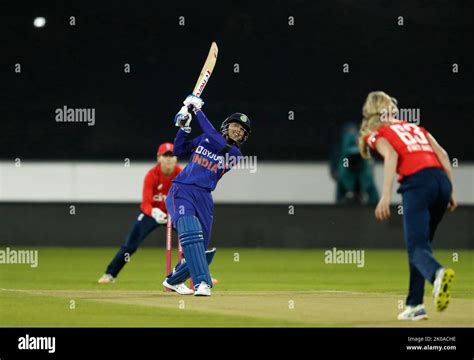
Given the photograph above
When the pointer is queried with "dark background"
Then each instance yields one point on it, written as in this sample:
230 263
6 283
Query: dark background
282 68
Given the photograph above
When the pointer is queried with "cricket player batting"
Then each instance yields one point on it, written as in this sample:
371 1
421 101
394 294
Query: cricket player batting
153 210
189 202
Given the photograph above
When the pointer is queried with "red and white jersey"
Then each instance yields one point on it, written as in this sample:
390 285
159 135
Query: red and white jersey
155 189
411 143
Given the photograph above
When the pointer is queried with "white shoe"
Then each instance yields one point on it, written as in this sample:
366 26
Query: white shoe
417 312
442 288
179 288
203 290
106 279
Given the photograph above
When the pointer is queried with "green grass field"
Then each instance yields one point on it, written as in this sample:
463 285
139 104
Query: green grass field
266 287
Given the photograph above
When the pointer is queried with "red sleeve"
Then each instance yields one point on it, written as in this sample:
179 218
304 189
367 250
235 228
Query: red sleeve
147 194
372 139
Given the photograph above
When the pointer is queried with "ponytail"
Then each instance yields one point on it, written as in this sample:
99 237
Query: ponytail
378 108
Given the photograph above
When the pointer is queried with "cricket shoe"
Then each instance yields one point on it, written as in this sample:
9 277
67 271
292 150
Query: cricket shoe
415 313
106 279
179 288
203 290
442 288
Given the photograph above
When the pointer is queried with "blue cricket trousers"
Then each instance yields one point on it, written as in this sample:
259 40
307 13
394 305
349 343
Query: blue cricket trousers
142 227
425 195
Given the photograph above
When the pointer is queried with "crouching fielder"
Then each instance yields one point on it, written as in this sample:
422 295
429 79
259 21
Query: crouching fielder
426 185
153 211
189 202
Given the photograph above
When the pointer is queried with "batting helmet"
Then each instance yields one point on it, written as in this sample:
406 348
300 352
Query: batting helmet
241 119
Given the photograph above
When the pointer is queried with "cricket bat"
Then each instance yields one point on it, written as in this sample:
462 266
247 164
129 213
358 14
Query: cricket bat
183 118
206 71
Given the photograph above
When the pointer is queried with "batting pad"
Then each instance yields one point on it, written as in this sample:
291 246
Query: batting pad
192 242
181 271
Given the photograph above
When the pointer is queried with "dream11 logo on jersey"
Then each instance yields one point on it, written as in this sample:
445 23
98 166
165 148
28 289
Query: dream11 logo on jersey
160 196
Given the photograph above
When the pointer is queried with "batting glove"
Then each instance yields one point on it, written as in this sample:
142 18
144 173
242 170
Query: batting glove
195 102
183 118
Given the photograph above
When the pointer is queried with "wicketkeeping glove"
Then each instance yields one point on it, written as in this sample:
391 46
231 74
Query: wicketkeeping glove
159 216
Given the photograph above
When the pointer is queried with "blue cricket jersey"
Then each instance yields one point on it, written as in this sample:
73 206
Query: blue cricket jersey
207 163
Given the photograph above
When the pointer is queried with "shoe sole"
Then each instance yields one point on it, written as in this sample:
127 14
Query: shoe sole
171 287
415 318
106 282
444 294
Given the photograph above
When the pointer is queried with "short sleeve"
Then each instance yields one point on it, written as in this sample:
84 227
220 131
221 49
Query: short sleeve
372 139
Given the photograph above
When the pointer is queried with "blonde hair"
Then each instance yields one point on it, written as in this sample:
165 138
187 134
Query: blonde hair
378 109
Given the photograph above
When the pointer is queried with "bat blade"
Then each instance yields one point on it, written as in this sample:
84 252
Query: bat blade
206 70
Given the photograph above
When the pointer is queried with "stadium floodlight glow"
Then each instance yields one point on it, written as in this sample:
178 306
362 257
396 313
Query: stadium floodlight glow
39 22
